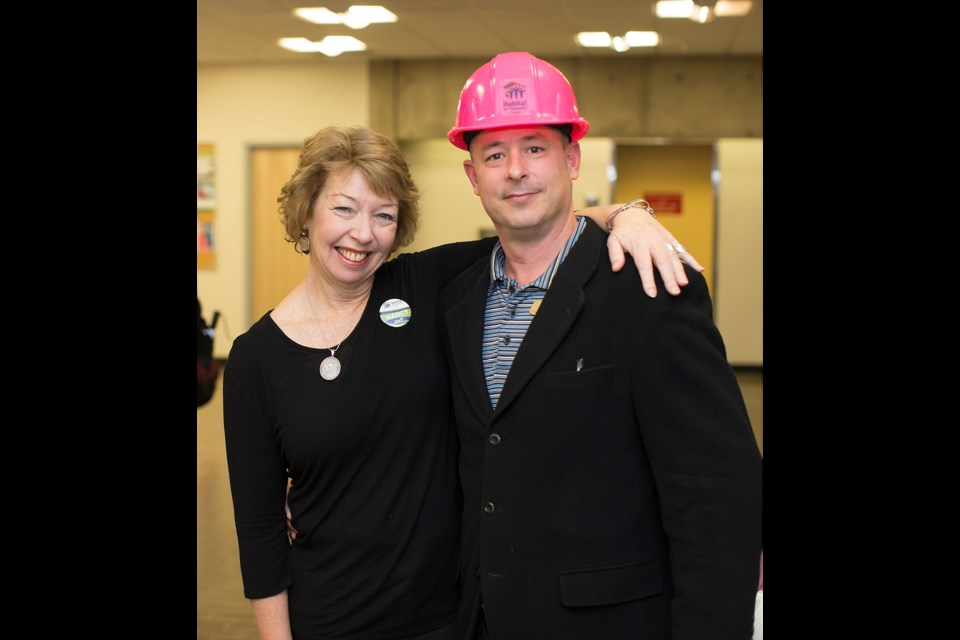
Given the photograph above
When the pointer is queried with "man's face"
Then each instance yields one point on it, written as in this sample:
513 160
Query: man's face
524 177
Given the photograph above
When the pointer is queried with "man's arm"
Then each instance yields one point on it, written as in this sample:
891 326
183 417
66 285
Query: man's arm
637 232
706 462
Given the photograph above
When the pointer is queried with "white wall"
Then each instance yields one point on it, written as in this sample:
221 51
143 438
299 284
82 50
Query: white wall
260 105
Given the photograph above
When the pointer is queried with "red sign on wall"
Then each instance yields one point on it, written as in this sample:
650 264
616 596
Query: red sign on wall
665 202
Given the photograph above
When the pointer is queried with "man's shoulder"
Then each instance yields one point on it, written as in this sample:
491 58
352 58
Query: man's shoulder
624 291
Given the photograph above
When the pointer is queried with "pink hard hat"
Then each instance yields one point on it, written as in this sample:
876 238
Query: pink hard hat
516 90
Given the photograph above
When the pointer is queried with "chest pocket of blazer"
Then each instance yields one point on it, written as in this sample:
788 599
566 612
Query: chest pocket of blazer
592 377
610 585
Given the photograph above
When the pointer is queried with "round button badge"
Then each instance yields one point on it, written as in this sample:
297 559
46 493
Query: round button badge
395 313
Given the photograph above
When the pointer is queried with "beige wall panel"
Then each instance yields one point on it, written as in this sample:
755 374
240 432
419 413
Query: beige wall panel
276 267
596 159
450 212
739 293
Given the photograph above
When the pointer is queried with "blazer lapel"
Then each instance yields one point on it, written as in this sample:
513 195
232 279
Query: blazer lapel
561 307
464 322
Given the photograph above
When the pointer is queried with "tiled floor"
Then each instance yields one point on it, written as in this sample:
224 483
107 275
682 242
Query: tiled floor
222 611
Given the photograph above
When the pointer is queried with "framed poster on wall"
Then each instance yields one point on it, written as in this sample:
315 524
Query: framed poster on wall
206 205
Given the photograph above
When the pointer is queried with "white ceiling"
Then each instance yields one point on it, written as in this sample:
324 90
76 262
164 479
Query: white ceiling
246 31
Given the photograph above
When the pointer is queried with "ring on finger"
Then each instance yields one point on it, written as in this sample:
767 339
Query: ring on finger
680 248
670 248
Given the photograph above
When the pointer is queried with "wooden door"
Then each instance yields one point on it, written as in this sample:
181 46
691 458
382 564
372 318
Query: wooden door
276 267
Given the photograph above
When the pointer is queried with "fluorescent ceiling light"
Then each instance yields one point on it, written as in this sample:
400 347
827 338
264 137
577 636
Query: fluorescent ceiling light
618 43
593 39
642 38
356 17
733 8
674 8
335 45
702 14
317 15
330 46
300 45
698 10
359 16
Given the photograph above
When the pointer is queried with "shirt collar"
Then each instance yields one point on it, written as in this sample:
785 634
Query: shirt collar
497 258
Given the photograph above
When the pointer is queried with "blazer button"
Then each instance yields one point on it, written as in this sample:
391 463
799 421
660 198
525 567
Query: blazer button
489 508
494 439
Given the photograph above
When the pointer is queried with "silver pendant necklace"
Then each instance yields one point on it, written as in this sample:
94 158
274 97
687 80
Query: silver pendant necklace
330 367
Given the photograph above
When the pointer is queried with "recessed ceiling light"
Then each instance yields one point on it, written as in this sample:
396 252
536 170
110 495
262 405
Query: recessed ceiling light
317 15
695 9
733 8
593 39
329 46
642 38
673 8
300 45
359 16
618 43
702 13
335 45
356 17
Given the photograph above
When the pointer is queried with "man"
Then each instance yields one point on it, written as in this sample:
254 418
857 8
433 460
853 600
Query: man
611 479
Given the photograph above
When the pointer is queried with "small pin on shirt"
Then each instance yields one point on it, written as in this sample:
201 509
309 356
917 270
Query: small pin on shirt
579 364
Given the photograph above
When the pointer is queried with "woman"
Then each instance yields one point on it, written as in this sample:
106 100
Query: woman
344 388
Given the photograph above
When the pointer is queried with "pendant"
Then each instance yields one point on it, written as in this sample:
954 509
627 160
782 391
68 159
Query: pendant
329 368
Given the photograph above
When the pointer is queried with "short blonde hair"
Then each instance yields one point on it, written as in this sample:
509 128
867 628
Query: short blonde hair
334 148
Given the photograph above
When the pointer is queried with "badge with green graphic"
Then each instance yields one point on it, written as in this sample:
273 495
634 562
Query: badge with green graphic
395 313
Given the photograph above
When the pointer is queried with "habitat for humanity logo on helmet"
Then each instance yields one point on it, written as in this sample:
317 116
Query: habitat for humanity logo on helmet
513 97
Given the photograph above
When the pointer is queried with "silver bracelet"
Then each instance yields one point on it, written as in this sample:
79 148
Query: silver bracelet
639 203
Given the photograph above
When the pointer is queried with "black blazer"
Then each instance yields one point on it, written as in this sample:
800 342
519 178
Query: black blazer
618 501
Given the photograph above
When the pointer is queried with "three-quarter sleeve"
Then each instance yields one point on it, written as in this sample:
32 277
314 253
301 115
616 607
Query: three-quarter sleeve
258 476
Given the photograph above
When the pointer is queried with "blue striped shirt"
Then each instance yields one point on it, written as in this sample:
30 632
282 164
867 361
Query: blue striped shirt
509 312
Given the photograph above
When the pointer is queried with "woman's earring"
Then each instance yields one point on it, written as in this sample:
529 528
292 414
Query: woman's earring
303 242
